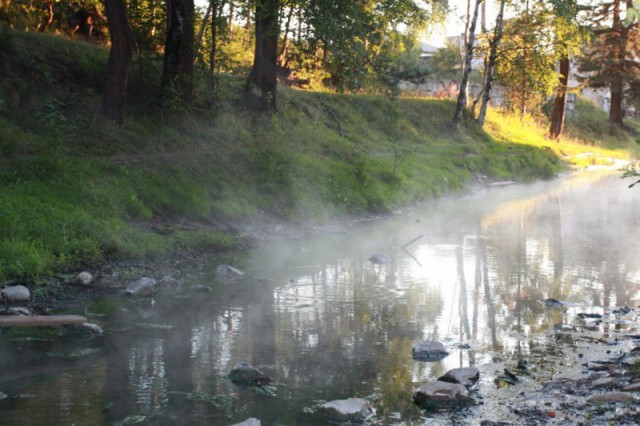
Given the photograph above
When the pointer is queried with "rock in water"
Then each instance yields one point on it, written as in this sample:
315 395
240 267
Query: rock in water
248 375
554 303
84 278
352 410
429 351
144 287
226 273
467 376
249 422
93 328
19 310
15 293
379 259
436 395
612 398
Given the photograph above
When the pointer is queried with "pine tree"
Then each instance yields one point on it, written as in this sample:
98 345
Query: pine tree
613 59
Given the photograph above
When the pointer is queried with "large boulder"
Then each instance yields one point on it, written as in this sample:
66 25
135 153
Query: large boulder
437 395
144 287
429 351
15 294
467 376
352 410
248 375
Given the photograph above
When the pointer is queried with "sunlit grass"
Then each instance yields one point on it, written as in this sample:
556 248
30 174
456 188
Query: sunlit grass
511 128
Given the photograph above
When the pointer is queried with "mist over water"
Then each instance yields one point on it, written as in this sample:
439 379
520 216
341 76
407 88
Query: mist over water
325 323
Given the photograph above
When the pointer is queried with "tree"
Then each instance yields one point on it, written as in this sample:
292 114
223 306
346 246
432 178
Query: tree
560 102
177 71
466 71
569 38
527 63
494 43
612 59
119 60
445 62
263 73
355 39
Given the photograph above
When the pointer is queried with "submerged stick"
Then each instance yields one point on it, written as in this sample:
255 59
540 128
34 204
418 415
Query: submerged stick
413 241
41 320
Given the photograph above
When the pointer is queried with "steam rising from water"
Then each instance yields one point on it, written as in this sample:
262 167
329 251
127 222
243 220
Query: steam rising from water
329 324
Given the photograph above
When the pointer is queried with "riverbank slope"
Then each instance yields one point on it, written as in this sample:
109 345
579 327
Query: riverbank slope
77 189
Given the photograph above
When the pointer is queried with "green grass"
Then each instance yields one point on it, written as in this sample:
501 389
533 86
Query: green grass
77 189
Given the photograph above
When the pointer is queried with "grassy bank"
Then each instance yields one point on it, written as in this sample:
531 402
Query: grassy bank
76 189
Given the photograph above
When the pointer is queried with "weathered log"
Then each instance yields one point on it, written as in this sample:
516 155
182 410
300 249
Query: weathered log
41 320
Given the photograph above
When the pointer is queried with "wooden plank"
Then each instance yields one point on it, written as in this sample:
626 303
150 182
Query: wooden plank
40 320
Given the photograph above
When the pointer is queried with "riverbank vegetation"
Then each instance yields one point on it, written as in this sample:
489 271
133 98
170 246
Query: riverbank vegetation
77 188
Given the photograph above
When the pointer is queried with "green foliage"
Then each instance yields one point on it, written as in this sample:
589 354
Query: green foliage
591 124
445 63
525 70
55 16
360 40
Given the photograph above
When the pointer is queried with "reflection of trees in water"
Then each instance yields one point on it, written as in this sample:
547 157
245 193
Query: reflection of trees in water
575 246
146 373
73 395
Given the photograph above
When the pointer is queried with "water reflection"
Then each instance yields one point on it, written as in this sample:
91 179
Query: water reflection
329 324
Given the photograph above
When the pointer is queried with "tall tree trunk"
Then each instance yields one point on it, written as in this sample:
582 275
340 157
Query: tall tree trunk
265 60
282 56
216 6
462 96
47 19
620 53
203 26
560 103
120 57
177 72
493 57
615 110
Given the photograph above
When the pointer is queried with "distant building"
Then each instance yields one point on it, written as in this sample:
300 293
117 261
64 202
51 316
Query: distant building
427 50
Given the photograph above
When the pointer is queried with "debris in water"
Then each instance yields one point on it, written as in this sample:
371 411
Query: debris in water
379 259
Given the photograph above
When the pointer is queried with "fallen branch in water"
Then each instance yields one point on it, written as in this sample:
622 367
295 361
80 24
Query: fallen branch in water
412 241
41 320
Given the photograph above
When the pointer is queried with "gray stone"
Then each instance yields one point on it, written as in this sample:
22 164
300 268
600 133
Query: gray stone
225 273
144 287
467 376
429 351
604 382
15 293
19 311
84 278
249 422
379 259
248 375
352 410
554 303
611 397
436 395
633 387
94 328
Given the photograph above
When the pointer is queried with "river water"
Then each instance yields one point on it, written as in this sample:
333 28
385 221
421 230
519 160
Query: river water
325 323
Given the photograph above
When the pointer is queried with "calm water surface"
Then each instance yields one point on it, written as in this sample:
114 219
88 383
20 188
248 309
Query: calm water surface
325 323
